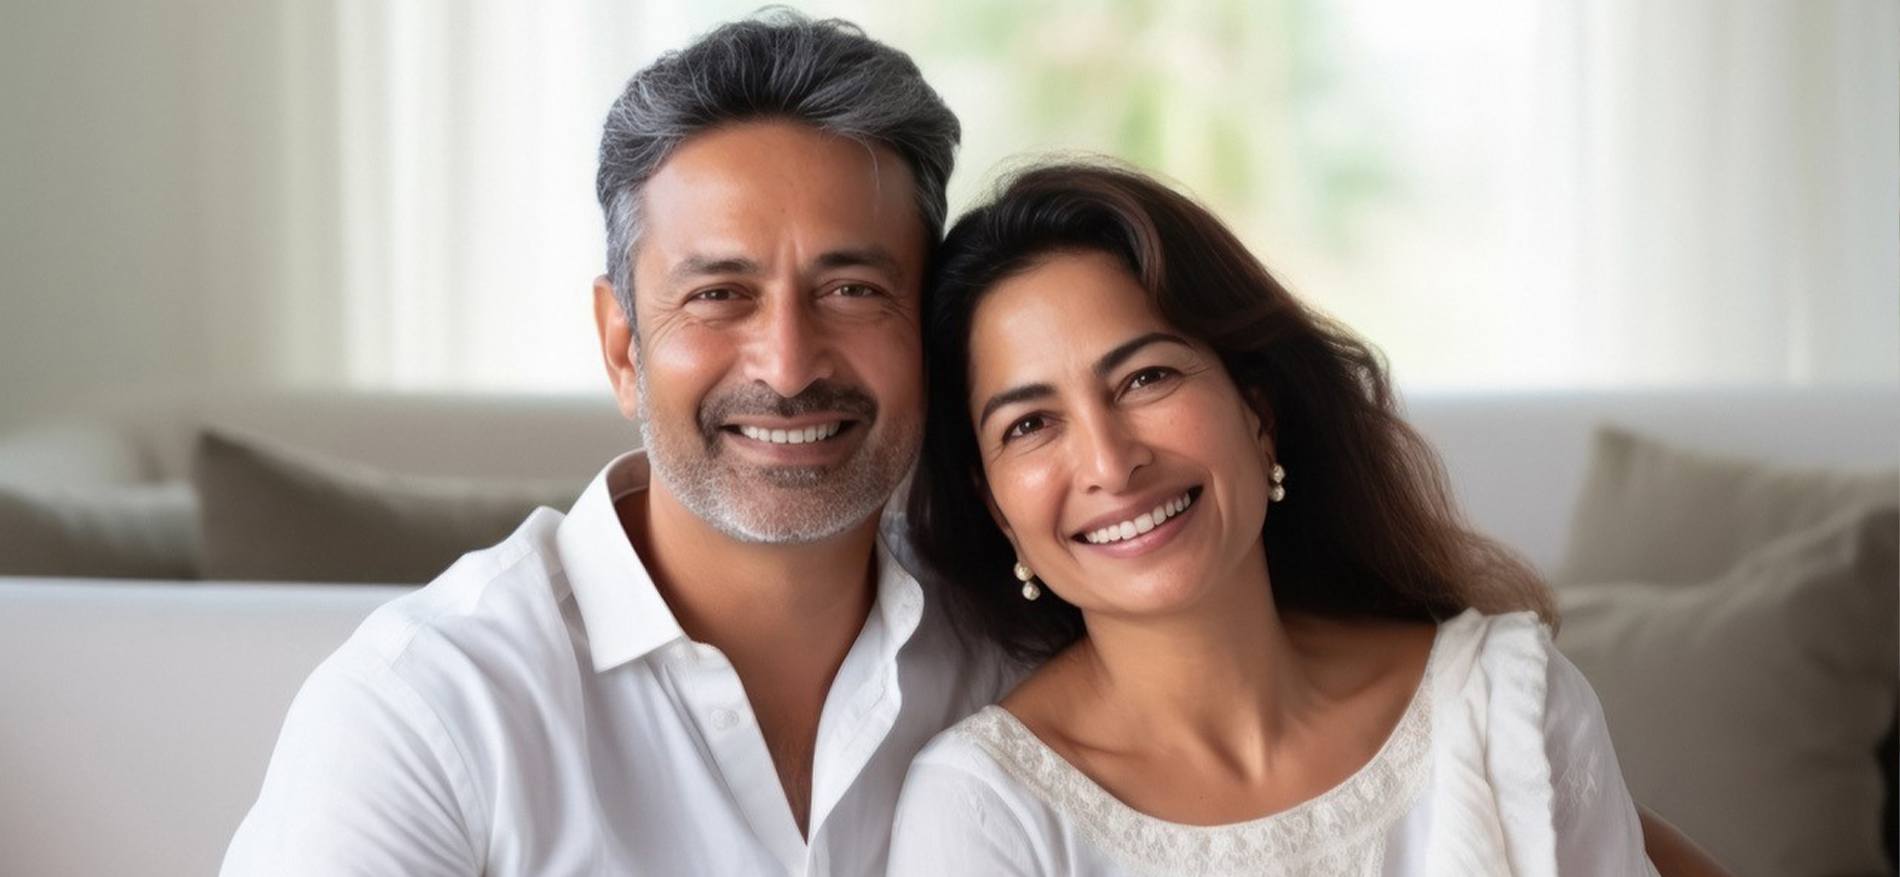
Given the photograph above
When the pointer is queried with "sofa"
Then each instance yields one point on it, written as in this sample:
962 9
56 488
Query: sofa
140 713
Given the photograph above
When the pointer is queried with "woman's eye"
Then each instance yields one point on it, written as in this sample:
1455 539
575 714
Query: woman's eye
1148 376
856 290
1022 427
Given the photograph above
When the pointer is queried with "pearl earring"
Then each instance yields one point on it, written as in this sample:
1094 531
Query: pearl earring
1279 488
1028 577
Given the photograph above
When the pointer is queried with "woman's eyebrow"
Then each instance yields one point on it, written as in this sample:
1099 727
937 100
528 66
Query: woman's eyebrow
1126 349
1011 396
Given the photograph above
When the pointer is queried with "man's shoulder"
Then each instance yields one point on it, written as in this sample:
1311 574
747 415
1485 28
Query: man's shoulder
504 603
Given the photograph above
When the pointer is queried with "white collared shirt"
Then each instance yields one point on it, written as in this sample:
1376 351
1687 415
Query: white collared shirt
536 710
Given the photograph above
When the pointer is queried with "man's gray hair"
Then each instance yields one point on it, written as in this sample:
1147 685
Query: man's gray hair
826 74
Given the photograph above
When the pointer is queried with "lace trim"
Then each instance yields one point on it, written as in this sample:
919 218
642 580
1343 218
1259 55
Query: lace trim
1342 831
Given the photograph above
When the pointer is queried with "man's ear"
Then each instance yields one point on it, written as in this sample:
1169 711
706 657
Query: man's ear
616 347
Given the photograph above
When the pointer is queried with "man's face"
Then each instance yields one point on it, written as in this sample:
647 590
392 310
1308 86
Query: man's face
777 348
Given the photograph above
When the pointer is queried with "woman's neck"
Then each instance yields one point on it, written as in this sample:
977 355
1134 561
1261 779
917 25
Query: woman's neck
1221 677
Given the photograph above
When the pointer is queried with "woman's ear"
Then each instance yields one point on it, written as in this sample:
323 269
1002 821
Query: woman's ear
1259 416
996 514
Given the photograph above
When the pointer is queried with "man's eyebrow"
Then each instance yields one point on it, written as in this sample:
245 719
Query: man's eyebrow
1011 396
1126 349
851 257
704 266
860 257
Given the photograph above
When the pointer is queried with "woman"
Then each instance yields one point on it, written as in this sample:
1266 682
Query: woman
1268 644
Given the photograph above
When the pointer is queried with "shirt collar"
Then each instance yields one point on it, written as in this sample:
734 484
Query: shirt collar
621 607
900 600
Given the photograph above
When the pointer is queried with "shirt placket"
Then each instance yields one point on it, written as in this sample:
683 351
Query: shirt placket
861 708
716 700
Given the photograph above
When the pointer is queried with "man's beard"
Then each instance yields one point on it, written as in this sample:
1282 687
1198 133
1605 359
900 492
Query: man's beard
779 504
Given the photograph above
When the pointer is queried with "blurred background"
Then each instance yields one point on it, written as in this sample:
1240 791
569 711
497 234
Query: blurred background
1502 196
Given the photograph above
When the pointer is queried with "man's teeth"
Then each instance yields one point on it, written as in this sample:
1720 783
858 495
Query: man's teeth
792 436
1141 523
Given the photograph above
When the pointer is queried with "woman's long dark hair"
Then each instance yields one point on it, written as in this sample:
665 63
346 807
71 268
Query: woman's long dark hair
1368 527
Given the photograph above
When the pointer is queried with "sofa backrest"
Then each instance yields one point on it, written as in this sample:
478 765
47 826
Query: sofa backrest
1516 460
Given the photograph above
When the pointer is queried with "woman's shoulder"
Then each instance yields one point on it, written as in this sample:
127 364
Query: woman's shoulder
988 752
992 756
1504 696
968 744
1510 666
961 810
1523 746
1512 648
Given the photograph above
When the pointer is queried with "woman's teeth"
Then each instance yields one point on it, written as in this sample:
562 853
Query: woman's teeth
1141 523
792 436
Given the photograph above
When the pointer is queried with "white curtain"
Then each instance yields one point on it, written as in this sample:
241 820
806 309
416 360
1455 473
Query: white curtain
469 236
1602 192
1737 172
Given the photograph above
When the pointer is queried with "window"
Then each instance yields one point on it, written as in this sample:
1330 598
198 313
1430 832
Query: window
1497 195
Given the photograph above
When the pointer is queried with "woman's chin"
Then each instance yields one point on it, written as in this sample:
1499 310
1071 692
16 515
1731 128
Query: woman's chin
1153 595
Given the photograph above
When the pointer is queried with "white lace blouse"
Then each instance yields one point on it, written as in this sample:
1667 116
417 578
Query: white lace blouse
1501 764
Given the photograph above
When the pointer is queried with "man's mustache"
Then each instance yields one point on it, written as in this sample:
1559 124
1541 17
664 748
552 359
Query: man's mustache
758 399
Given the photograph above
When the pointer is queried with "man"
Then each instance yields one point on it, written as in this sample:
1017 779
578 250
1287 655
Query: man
710 665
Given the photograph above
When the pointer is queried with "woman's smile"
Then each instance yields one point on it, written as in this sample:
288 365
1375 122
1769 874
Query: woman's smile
1133 535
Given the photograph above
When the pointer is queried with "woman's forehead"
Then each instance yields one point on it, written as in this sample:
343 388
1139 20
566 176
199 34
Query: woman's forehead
1061 314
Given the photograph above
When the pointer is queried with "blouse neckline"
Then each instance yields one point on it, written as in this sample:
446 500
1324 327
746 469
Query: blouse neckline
1327 830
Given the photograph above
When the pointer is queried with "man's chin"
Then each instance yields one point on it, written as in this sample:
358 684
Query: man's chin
801 479
781 501
787 504
786 523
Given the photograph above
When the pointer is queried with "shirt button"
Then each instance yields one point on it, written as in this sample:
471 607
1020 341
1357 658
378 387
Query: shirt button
724 719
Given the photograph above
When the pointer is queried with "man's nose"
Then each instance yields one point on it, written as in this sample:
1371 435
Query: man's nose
1109 452
790 350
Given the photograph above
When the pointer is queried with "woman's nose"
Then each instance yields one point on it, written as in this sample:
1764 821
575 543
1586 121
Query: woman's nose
1110 452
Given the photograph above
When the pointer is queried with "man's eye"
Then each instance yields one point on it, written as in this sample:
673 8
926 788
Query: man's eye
856 290
717 294
1023 426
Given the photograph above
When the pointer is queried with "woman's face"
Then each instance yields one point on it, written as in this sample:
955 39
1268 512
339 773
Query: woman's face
1122 462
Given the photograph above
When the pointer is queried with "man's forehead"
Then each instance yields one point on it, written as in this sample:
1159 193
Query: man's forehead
755 196
740 182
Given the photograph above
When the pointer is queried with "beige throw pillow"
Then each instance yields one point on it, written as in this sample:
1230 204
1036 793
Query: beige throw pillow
141 531
1747 708
1656 513
274 513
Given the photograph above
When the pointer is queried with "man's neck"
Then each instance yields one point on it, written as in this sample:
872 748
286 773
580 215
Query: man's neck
729 593
784 615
